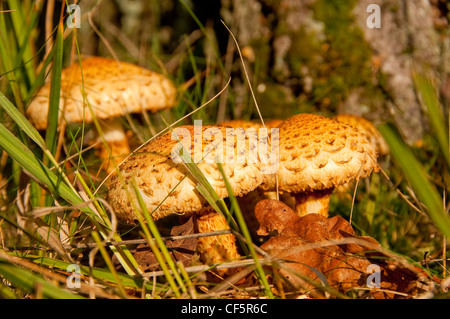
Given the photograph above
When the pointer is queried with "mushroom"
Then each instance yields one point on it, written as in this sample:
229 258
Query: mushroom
273 123
316 154
365 126
373 136
111 89
167 187
242 124
215 250
248 201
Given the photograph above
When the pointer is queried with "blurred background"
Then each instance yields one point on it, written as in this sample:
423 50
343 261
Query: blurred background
301 55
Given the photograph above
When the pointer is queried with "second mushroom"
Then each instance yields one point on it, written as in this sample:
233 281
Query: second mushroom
104 89
316 154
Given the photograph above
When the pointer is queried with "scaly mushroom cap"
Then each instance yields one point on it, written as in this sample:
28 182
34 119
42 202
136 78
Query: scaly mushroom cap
161 179
252 124
253 129
112 89
248 202
242 124
273 123
365 126
319 153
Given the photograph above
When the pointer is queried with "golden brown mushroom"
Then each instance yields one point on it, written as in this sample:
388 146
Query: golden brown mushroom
365 126
273 123
167 187
373 136
242 124
248 201
111 89
316 154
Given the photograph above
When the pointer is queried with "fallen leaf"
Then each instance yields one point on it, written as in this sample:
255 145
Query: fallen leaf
183 249
145 258
180 249
341 270
274 215
302 242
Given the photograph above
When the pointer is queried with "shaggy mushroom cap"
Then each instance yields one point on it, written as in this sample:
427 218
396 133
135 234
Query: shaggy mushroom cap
167 187
273 123
113 88
248 202
242 124
254 129
316 154
365 126
163 180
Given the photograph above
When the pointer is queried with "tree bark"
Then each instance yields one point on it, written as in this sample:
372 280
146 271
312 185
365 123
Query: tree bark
322 56
316 56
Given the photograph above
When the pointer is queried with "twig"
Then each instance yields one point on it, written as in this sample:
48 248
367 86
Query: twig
97 31
134 241
398 191
143 241
200 268
53 275
245 72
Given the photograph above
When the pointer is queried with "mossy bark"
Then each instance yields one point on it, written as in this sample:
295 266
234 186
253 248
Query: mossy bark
322 56
301 55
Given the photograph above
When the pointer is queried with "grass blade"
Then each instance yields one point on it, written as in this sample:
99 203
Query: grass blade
21 18
21 121
30 282
246 233
430 99
5 59
121 251
108 262
159 249
51 134
203 29
415 173
203 186
43 175
98 273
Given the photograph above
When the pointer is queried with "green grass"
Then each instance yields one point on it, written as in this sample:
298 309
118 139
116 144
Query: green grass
406 213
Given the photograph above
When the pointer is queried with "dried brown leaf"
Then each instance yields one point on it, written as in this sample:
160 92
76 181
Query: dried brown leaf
180 249
345 266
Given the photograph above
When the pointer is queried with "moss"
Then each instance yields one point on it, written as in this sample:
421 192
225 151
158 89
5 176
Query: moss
347 60
337 60
305 50
262 50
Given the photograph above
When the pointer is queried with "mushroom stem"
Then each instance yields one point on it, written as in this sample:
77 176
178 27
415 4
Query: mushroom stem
316 202
215 249
117 147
